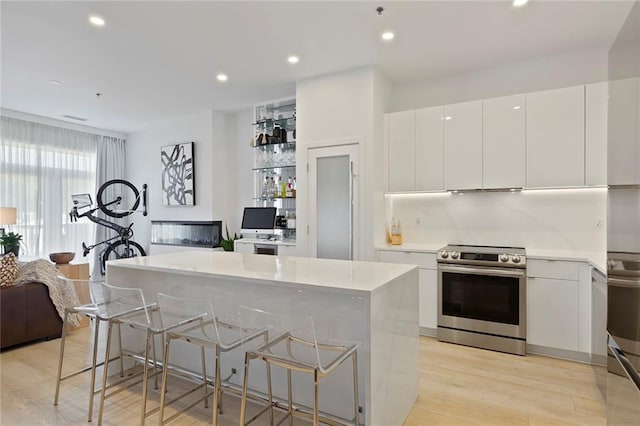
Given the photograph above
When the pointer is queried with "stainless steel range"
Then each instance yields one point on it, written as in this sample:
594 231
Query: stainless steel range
482 297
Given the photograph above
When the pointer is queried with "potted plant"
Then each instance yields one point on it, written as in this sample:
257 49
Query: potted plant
11 243
227 243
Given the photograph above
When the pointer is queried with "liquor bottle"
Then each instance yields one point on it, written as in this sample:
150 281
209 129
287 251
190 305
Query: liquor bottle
274 190
295 187
265 187
289 187
283 188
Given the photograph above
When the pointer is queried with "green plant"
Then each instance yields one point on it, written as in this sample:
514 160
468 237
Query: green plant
227 242
11 242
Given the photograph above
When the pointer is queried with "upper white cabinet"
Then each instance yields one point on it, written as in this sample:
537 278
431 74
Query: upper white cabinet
596 133
555 138
623 142
463 145
429 165
503 140
401 137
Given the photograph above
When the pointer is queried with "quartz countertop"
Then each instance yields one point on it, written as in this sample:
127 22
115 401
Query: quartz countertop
266 241
333 274
418 248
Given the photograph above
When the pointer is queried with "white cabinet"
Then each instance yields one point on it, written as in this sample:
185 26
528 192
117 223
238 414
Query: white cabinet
599 317
429 164
555 138
596 133
623 142
463 145
553 313
401 137
503 142
428 282
243 247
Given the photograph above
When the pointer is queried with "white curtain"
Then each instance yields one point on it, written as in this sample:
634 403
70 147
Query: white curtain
41 166
111 165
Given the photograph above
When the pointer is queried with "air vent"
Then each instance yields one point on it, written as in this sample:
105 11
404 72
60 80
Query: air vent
73 117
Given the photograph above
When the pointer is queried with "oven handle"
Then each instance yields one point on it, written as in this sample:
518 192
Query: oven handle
627 366
620 282
482 271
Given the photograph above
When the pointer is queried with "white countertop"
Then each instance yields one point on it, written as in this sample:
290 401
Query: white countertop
335 274
594 258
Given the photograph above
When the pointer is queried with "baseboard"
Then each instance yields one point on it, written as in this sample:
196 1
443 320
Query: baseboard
576 356
431 332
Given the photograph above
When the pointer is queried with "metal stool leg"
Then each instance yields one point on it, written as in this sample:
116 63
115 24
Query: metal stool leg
270 392
315 397
216 388
94 361
165 374
155 361
145 377
356 402
105 373
290 397
204 375
60 356
120 346
245 385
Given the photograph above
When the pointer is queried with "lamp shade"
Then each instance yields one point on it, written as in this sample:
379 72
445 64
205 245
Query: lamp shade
7 215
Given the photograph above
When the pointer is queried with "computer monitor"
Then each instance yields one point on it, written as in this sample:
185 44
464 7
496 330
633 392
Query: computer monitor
259 221
81 200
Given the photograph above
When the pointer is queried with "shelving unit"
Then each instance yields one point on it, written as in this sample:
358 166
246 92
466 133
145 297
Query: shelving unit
275 159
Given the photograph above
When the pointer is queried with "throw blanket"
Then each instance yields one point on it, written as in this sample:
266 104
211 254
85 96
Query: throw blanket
61 291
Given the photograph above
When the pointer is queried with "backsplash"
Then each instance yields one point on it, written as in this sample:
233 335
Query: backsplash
559 219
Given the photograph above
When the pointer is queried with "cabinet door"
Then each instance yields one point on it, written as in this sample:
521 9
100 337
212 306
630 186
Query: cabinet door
596 133
503 142
555 138
243 247
463 145
553 313
428 298
623 143
286 250
429 150
401 137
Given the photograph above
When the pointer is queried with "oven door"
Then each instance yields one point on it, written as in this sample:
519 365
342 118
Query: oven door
623 314
482 299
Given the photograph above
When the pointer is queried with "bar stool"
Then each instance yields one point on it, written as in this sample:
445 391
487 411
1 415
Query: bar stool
221 335
96 310
299 349
153 321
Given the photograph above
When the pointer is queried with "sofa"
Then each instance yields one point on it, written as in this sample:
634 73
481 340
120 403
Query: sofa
27 314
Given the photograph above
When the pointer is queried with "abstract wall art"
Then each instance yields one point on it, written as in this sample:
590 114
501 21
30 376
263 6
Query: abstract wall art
178 180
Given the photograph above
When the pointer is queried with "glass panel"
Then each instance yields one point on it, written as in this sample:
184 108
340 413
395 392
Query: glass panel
481 297
623 307
334 208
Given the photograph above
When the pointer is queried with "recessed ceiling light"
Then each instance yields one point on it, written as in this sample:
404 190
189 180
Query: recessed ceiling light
222 77
293 59
56 82
518 3
516 107
96 20
448 117
388 35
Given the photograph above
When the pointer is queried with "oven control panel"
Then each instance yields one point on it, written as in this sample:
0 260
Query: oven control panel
485 256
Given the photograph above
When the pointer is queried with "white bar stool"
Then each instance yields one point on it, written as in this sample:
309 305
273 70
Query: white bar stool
221 335
97 311
299 349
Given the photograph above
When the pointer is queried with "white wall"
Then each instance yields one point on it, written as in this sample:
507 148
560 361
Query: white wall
342 106
571 219
532 75
240 126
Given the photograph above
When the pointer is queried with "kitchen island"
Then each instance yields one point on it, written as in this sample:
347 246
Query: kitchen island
375 304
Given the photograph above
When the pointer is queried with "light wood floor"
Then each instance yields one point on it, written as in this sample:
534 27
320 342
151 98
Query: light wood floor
458 386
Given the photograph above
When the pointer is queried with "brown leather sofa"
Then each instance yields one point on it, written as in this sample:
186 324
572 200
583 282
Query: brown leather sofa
27 314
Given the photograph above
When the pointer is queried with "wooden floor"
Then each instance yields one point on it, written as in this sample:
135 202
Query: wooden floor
458 386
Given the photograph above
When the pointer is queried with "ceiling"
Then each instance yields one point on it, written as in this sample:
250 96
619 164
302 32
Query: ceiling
159 59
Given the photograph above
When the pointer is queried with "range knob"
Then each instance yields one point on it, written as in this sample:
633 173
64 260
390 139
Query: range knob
515 258
444 254
454 255
504 258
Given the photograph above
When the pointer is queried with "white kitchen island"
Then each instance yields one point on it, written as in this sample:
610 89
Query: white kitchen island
375 304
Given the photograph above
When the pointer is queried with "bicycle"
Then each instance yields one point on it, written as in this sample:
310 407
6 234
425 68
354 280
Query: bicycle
112 199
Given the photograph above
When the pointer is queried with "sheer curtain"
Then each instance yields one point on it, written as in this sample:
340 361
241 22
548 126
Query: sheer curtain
40 167
111 163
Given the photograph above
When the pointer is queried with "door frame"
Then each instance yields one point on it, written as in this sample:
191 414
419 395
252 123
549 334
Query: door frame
358 191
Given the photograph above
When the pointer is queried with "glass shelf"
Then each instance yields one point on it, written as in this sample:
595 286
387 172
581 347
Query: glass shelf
282 145
273 120
266 169
274 198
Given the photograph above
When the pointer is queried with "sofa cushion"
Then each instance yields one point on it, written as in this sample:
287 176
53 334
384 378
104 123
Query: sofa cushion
8 269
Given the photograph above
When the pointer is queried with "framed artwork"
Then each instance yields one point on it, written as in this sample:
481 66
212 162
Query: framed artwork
178 180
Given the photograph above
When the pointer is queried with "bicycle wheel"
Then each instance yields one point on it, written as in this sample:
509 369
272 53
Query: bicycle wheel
109 193
119 250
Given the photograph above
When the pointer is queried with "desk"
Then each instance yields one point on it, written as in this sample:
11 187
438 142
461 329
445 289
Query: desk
375 304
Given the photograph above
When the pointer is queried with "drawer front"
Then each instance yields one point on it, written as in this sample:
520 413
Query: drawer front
554 269
423 260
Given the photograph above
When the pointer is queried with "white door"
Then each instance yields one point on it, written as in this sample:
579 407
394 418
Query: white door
333 201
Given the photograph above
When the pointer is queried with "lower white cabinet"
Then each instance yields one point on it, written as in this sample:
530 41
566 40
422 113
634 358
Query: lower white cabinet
553 313
428 282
